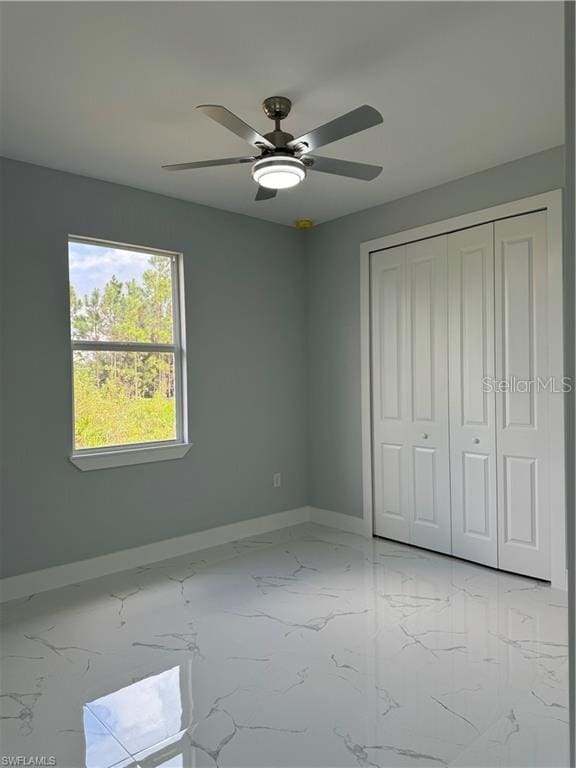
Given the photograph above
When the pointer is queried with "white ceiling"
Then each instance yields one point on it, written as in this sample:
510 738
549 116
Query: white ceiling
108 90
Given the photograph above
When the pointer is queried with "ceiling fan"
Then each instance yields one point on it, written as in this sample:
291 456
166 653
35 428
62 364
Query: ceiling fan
284 160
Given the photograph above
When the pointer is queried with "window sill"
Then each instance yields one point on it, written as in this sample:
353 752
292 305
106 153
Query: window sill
126 456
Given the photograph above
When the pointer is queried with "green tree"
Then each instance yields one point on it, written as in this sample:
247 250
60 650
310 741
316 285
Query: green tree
125 397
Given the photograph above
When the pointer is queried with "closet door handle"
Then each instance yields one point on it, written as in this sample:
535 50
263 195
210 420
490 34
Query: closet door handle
476 441
424 436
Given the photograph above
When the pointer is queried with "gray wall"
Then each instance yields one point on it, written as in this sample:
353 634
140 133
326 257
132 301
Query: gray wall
335 468
273 334
246 330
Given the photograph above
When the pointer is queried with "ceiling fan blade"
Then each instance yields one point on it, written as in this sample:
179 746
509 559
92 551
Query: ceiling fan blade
344 168
265 194
207 163
233 123
345 125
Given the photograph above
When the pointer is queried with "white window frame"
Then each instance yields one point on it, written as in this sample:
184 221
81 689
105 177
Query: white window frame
140 453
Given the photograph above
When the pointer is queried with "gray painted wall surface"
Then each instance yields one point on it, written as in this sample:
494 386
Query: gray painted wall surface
274 359
333 249
246 329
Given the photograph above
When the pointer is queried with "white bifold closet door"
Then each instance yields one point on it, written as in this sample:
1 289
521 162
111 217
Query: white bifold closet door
523 422
410 394
461 394
472 398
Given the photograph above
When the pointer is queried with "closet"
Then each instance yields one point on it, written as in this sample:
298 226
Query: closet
461 431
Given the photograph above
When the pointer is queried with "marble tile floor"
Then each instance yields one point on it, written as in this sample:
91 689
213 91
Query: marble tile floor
307 647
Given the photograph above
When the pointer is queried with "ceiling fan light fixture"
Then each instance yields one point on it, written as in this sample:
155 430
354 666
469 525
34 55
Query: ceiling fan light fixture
278 171
284 160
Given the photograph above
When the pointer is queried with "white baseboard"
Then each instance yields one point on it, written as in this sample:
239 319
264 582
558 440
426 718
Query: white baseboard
338 520
559 579
26 584
71 573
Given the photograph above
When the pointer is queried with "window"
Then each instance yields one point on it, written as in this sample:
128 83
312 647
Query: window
127 354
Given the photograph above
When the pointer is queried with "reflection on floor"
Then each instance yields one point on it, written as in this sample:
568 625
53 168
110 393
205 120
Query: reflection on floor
305 647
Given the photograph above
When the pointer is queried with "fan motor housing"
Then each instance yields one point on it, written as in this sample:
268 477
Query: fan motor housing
280 139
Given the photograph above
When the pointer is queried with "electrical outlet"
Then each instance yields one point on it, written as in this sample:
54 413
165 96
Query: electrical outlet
277 480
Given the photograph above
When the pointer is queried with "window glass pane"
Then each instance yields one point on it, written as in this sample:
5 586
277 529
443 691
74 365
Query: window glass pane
119 295
147 715
123 397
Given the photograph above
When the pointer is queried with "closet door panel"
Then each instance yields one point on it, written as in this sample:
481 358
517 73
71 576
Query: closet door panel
522 409
426 508
472 406
389 399
409 393
427 388
478 511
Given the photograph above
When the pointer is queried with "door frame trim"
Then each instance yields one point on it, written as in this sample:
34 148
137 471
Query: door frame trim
551 202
